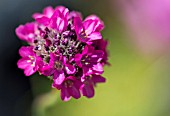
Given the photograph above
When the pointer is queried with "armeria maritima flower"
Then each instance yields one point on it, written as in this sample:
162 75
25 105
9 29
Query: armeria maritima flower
62 46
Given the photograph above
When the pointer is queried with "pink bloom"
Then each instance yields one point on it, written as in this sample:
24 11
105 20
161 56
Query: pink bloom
88 30
58 20
26 32
56 67
99 23
66 49
90 60
102 44
89 82
70 87
29 61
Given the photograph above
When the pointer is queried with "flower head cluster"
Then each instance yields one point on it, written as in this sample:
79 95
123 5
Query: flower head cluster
65 48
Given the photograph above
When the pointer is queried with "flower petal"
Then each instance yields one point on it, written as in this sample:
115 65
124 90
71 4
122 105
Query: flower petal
25 51
98 68
87 90
74 92
99 26
63 11
65 96
89 26
70 69
58 23
48 11
43 20
47 70
29 70
26 32
23 63
59 77
78 25
74 14
98 79
78 59
97 56
95 36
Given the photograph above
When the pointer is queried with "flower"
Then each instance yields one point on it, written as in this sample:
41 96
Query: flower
87 30
101 44
26 32
56 67
70 87
89 81
90 59
29 61
65 48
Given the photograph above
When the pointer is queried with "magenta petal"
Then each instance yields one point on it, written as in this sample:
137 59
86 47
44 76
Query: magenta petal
95 36
78 59
37 15
26 32
97 55
86 50
48 71
26 51
88 91
99 26
98 68
74 14
89 26
29 71
74 92
63 11
65 96
78 25
98 79
43 20
23 63
19 31
85 69
48 11
58 23
70 69
59 77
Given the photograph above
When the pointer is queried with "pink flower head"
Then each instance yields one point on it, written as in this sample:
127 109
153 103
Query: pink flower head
65 48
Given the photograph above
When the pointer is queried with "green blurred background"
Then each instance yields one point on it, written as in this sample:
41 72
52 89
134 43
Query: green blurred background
137 83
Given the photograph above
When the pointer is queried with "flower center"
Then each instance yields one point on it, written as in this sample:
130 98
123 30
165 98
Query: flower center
48 40
58 65
68 83
83 35
85 60
31 60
